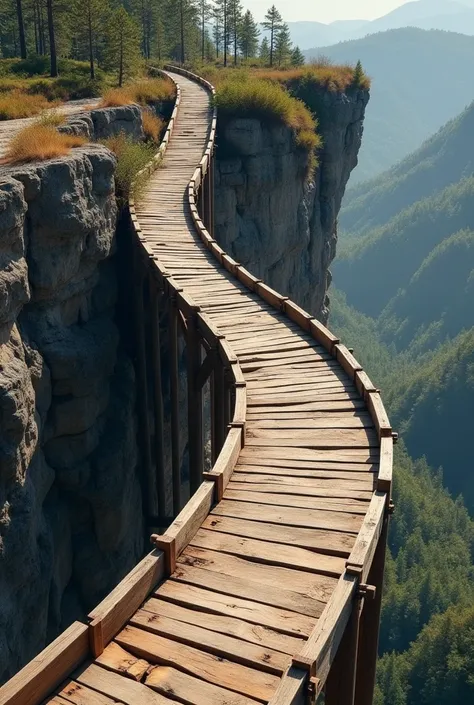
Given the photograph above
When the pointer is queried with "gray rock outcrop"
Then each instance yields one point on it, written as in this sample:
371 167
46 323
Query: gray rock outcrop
269 216
70 499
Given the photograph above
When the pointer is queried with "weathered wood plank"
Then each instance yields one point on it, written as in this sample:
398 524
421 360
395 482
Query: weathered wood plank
246 653
331 542
118 687
220 672
47 670
274 617
268 552
308 518
190 690
253 633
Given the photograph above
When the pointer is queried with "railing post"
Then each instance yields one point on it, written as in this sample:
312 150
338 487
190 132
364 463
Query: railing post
174 394
195 435
341 681
370 625
158 395
149 486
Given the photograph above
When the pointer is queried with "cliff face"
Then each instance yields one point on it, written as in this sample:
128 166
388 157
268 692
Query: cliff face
269 216
70 500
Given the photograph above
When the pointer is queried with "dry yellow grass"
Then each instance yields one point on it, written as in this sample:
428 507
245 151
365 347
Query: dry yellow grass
15 105
39 142
152 126
141 92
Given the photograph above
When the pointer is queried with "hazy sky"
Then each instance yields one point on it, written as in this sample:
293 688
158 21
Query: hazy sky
324 11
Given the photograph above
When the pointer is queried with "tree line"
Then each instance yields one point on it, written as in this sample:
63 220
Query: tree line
116 33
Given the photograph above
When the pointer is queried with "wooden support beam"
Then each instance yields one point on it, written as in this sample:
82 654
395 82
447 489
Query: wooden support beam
149 481
174 393
370 626
158 396
341 682
195 420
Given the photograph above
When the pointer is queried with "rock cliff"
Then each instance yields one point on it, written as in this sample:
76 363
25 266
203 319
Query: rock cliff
269 215
70 500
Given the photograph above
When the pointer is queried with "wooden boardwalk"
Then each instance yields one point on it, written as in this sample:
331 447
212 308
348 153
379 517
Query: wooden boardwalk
272 568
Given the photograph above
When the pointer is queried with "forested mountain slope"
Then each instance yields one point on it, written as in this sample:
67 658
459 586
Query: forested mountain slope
420 79
427 635
413 274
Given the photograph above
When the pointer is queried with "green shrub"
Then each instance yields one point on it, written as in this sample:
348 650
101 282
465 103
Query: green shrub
132 157
32 66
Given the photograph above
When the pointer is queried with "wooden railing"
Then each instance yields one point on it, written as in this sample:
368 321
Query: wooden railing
340 654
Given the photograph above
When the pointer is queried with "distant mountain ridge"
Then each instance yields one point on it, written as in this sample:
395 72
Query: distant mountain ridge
420 79
449 15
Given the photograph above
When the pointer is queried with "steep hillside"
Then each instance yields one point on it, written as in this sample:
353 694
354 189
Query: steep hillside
440 161
420 79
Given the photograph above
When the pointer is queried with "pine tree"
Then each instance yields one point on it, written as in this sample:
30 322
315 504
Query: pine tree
358 74
297 58
264 52
21 28
217 28
122 44
87 17
205 9
52 38
224 13
272 23
283 45
249 35
235 22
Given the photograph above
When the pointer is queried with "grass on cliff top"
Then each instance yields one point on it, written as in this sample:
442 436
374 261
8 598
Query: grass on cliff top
132 157
38 142
142 92
251 96
321 72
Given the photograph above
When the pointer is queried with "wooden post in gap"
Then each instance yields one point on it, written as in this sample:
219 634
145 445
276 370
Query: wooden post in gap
370 626
158 396
207 202
210 228
174 393
218 406
195 435
341 681
202 200
149 486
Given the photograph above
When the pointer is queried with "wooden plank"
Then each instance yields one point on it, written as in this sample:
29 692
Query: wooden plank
248 588
358 479
246 653
78 694
307 518
46 671
362 554
274 617
379 415
316 438
350 466
281 500
291 689
342 455
268 552
384 478
220 672
330 542
360 482
112 613
253 633
117 659
191 691
318 489
191 517
118 687
323 643
317 587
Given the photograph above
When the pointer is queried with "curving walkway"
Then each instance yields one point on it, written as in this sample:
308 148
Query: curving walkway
262 571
